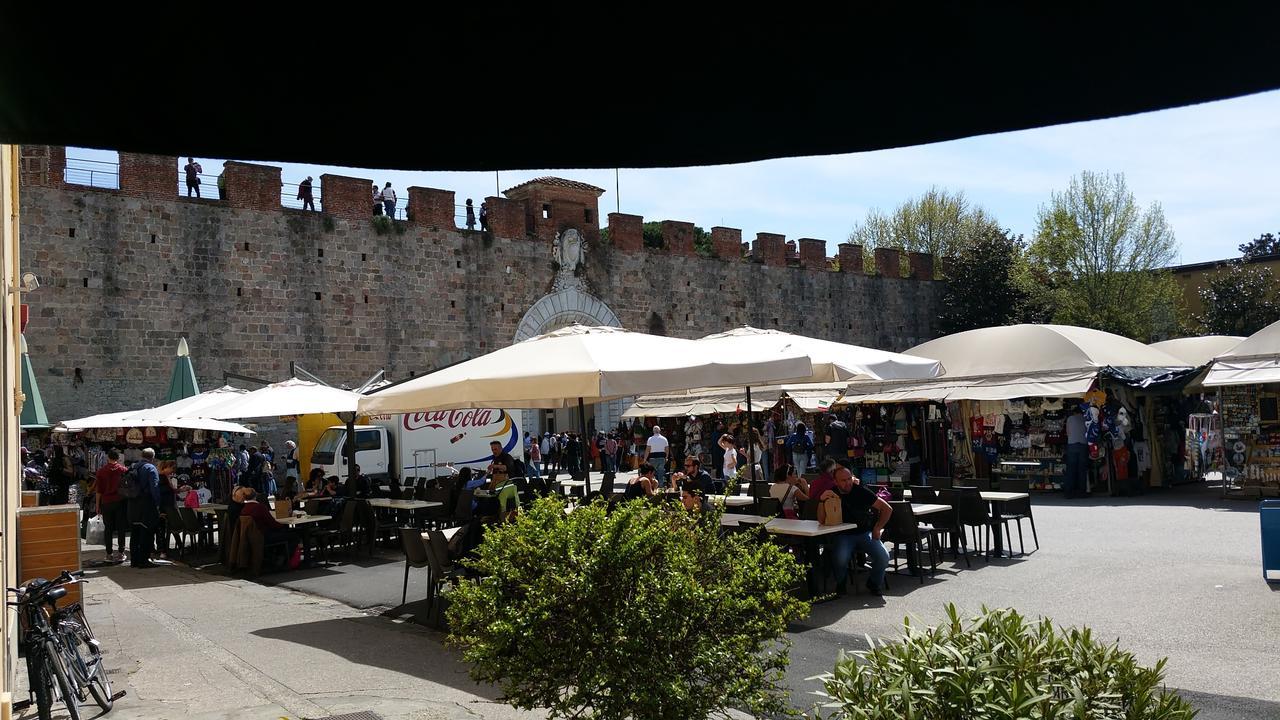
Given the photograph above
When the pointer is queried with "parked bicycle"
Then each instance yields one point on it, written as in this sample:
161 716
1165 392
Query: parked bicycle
63 656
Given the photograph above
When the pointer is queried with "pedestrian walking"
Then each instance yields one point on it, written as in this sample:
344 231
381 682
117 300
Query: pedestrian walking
484 217
377 200
193 170
471 216
304 194
144 512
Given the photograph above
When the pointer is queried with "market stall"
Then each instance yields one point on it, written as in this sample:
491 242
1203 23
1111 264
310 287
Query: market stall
1246 380
1009 391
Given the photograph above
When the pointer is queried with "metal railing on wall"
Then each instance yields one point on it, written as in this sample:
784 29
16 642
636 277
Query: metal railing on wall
92 173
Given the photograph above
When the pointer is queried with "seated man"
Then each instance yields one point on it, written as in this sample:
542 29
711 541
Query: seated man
695 475
856 507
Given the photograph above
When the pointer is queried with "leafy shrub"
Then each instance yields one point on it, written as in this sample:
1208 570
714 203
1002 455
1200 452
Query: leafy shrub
382 224
642 612
998 666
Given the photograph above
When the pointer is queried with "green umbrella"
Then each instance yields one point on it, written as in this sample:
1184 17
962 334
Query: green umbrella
33 414
183 383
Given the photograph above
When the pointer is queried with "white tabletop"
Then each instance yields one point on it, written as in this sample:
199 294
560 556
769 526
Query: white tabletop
805 528
402 504
928 508
211 509
988 495
571 483
732 519
732 500
294 521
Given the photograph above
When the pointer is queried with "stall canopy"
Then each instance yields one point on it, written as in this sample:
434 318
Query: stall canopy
587 364
1198 351
811 397
33 415
1254 361
134 418
1015 361
182 384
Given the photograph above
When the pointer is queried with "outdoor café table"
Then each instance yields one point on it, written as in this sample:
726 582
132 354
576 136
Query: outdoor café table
733 519
303 525
402 504
994 497
733 500
566 486
928 508
211 508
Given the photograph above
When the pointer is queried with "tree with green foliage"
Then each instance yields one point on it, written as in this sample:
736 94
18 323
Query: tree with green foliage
986 285
998 666
645 611
1240 299
1101 259
1264 244
652 234
938 222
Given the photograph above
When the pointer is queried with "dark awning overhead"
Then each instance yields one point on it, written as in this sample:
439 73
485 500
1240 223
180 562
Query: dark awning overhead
513 87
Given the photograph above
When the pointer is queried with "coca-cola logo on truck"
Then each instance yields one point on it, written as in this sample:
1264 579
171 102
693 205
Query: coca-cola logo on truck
475 418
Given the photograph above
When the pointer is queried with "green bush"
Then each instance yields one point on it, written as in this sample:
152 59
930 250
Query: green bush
382 224
998 666
642 612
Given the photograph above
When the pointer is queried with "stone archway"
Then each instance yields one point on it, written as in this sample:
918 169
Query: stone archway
560 309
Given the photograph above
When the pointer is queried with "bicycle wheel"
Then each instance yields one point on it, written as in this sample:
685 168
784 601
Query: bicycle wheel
85 658
70 698
39 681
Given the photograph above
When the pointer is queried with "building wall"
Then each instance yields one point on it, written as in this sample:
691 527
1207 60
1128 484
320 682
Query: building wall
1191 278
252 287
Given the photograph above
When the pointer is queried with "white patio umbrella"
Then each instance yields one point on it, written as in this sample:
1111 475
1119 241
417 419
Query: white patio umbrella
585 364
137 418
832 361
290 397
188 407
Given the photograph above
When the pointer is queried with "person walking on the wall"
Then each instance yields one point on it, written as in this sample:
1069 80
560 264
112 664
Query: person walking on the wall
484 217
471 216
389 201
377 200
193 170
304 194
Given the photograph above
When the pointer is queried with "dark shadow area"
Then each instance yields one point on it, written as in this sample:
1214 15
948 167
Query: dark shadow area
131 578
398 647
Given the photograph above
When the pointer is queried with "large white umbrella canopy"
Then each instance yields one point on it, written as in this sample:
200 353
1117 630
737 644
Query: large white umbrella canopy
832 361
290 397
588 363
1198 351
188 407
1026 349
1256 360
136 418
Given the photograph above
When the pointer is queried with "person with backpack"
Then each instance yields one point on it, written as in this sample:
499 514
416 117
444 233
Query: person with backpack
800 445
111 504
141 485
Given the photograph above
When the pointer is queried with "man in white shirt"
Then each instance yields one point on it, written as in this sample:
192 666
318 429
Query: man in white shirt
655 453
389 201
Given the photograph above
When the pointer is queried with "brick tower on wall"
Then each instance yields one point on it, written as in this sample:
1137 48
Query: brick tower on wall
553 205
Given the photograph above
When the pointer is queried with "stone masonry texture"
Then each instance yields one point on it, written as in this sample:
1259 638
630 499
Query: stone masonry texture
124 275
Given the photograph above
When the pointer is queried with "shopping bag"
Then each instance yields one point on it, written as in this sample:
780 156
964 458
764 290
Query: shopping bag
296 558
284 508
97 533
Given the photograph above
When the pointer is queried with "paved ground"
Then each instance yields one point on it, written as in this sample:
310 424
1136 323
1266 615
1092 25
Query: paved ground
1172 574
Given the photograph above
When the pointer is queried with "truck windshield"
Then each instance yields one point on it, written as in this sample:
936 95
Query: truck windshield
327 446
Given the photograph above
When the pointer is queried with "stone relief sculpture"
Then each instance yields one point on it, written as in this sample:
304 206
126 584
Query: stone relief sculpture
568 250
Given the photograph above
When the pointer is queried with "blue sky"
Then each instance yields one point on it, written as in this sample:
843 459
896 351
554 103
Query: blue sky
1213 167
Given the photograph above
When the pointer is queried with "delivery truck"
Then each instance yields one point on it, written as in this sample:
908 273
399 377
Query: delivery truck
421 444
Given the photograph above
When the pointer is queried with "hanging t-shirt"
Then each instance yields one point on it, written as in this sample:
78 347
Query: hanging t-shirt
975 427
1121 457
1142 450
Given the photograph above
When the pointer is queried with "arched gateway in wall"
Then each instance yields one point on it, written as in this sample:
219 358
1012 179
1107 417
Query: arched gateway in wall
558 309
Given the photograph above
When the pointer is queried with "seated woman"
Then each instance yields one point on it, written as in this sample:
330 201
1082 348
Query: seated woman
272 531
789 488
314 486
644 484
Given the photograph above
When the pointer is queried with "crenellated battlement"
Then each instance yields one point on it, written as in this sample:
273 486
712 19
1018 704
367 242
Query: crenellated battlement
537 209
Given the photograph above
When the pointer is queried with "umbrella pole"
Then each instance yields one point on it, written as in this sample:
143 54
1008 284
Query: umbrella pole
586 468
349 449
751 446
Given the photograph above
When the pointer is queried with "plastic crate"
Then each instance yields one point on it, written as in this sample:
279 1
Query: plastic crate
1269 519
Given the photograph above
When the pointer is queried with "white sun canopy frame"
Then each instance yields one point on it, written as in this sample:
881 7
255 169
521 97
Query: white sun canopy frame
1255 361
587 364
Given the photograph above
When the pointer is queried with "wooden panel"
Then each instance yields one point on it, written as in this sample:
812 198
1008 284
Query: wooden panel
48 520
43 534
30 498
61 560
